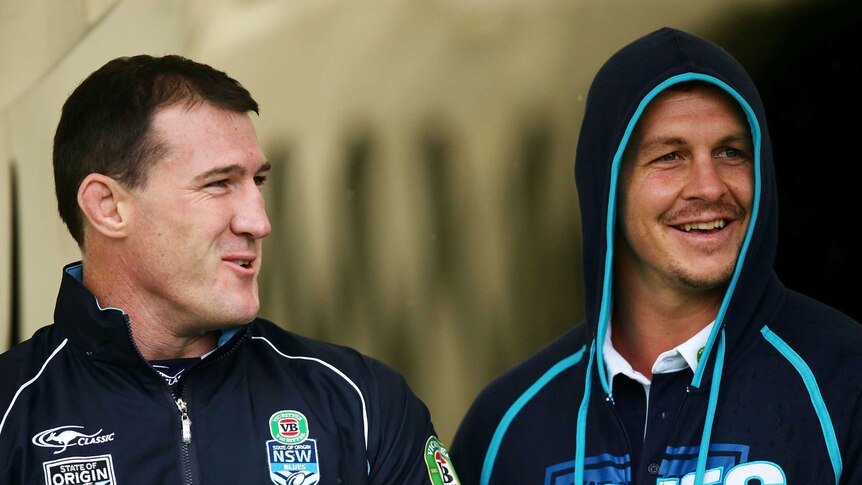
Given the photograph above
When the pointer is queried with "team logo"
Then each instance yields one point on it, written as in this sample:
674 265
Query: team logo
292 454
440 468
65 436
90 470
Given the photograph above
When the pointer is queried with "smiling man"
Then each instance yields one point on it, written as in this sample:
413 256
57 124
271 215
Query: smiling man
156 369
695 365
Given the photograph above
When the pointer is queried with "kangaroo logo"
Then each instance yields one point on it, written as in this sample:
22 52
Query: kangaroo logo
65 436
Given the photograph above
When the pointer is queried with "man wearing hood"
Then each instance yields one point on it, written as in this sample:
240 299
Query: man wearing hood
695 365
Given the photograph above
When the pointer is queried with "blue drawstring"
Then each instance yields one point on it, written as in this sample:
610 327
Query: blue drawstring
580 443
710 412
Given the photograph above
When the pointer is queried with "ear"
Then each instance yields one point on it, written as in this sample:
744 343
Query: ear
104 203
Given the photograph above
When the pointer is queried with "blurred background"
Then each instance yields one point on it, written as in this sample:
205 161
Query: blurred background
423 205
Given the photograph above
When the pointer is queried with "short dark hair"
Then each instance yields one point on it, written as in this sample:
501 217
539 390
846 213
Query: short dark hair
105 126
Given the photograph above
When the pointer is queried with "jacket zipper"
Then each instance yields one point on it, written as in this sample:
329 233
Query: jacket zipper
185 438
609 399
186 422
182 407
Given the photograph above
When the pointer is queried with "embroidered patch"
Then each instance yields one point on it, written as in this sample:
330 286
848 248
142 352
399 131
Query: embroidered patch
63 437
293 464
288 427
292 455
88 470
440 468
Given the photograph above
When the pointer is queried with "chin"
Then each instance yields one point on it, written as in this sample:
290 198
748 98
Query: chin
704 280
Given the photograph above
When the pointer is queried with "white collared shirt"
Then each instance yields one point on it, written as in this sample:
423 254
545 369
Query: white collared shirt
674 360
682 356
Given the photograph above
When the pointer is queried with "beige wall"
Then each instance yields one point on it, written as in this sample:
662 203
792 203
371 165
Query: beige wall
423 203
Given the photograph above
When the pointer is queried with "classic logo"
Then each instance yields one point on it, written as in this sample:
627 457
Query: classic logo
440 469
288 427
65 436
89 470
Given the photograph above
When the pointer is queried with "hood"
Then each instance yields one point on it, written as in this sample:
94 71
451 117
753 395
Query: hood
621 90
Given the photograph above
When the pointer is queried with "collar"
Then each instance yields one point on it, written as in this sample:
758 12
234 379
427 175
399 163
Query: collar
100 332
682 356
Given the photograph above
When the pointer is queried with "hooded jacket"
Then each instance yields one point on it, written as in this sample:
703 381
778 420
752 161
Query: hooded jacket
777 395
80 405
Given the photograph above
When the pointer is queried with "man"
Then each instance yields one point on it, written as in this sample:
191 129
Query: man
694 365
156 370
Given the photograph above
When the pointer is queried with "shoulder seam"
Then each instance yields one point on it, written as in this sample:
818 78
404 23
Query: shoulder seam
814 394
515 408
26 384
334 369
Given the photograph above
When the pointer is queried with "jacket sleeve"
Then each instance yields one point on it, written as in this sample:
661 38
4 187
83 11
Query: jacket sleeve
402 447
472 439
852 472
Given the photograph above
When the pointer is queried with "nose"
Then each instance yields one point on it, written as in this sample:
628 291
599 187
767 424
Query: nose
705 180
250 214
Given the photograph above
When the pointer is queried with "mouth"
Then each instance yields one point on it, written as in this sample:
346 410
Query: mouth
717 224
242 262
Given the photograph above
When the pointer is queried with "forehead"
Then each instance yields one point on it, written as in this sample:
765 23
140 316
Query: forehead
686 102
200 137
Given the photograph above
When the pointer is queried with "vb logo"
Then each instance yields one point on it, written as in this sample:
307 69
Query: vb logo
440 469
288 427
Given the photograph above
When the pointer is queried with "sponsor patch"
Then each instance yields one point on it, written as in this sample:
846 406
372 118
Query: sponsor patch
292 455
440 468
288 427
63 437
86 470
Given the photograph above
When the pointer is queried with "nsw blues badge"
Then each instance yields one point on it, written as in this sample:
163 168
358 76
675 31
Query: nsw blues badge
292 454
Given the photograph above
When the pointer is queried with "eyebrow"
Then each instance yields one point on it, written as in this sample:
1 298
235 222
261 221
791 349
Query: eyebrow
230 169
675 140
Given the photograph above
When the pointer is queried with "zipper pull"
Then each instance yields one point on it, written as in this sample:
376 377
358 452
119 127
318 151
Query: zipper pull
187 423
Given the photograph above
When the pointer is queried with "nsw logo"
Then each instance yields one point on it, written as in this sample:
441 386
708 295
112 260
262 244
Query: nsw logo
293 464
63 437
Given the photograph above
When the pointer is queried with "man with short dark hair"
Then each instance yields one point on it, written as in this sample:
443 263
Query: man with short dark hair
156 369
694 365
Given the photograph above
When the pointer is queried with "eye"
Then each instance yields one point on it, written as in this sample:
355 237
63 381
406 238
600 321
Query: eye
221 183
259 180
670 157
730 153
733 155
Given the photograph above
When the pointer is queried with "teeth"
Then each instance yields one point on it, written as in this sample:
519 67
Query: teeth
242 262
703 226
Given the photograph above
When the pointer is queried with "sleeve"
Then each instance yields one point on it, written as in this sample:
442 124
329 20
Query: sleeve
472 440
403 447
852 472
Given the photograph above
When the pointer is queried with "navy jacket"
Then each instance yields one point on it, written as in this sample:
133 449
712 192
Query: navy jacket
777 395
81 405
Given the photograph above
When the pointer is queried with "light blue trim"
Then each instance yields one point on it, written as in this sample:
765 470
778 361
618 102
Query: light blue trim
515 408
227 334
605 309
76 272
581 440
814 393
703 453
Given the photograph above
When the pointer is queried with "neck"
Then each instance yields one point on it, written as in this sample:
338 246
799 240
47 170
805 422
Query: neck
157 335
650 321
